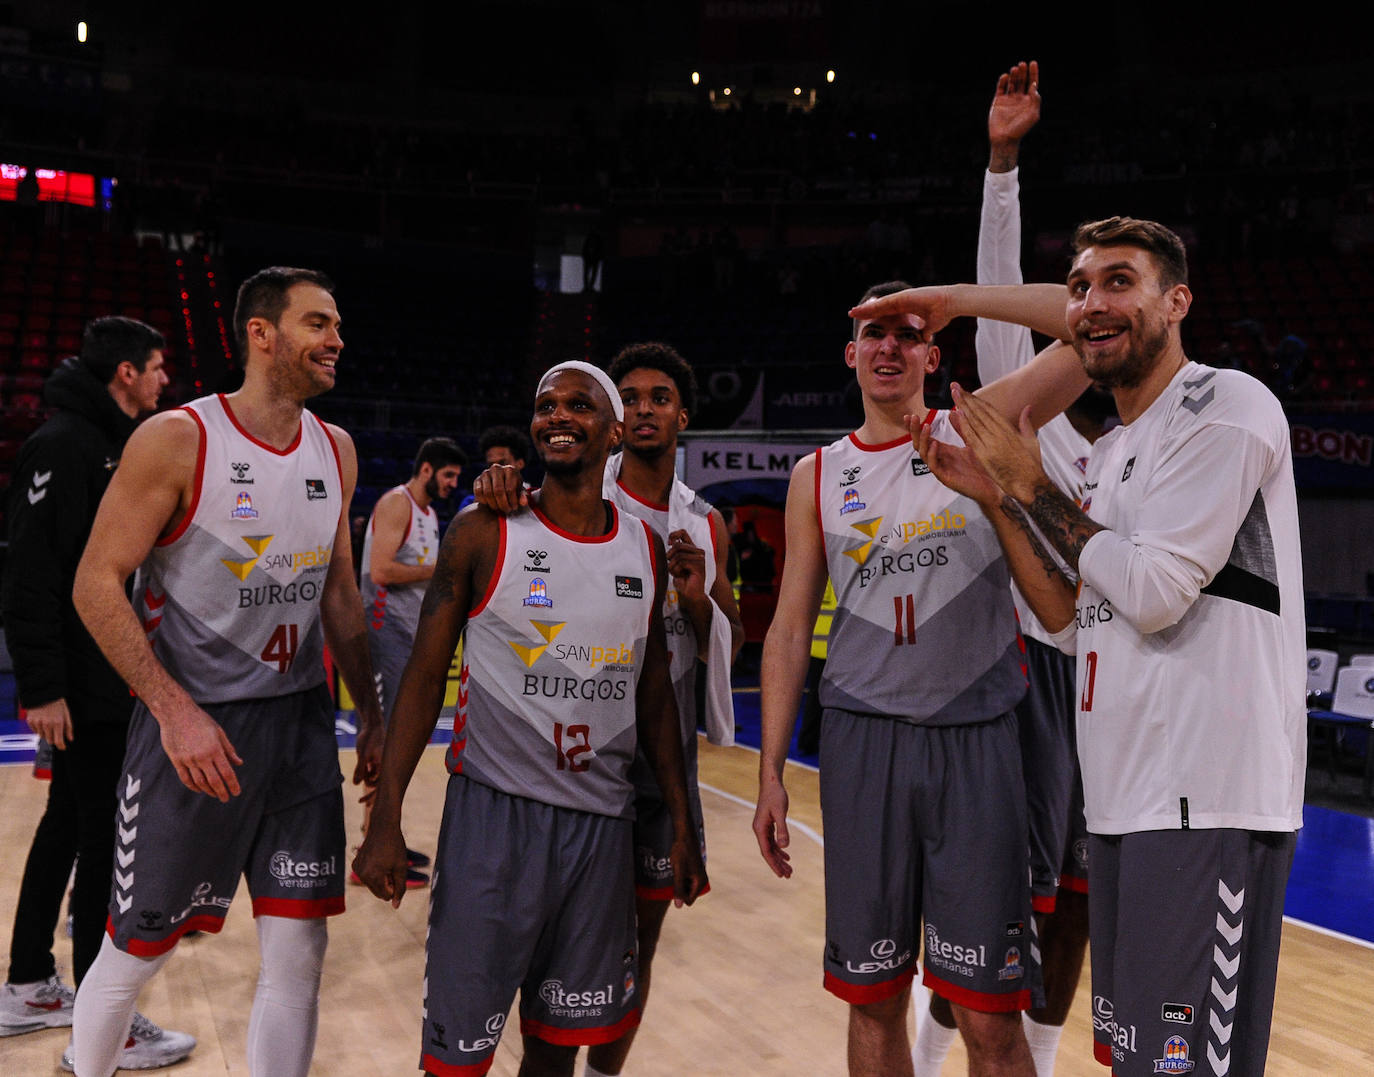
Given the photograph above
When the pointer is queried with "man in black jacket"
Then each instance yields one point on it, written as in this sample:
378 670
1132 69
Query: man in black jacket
75 701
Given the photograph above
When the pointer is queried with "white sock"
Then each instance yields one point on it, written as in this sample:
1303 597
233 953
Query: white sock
933 1040
1044 1044
286 1005
105 1006
588 1070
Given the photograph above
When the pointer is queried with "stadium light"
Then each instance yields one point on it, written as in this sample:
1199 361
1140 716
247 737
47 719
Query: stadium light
796 91
696 78
830 75
727 91
81 32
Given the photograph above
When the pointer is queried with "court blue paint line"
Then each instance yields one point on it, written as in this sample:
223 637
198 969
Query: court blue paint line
1332 884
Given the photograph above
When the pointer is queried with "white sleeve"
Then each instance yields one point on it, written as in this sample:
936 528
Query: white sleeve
720 703
1001 346
1194 503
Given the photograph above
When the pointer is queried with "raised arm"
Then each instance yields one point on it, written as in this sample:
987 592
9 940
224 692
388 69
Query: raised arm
389 521
462 570
148 495
1002 346
660 735
341 612
786 657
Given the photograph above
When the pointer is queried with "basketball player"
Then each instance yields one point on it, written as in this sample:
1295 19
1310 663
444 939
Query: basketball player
564 669
1045 716
235 507
923 671
700 617
399 550
1189 630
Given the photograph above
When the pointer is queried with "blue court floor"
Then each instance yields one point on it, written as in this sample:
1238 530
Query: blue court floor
1331 887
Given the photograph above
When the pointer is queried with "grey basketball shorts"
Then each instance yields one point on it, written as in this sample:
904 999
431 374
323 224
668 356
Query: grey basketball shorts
926 823
653 828
1184 941
179 853
1049 757
529 897
390 648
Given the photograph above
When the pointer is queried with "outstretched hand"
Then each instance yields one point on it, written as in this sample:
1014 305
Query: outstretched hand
954 465
1016 104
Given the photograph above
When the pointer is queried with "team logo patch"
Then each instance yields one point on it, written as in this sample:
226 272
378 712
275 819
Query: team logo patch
1175 1058
629 587
919 467
1180 1013
537 560
315 491
240 471
1011 965
629 984
243 507
851 475
1130 466
539 594
852 502
1015 929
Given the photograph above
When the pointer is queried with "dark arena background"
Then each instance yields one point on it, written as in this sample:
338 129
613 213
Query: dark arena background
500 185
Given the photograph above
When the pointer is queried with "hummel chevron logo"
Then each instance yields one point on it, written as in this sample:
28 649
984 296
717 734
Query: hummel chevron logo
123 881
1221 1066
1228 966
40 481
132 786
1223 1032
1231 901
129 812
1226 998
124 857
123 902
1227 932
1195 405
126 837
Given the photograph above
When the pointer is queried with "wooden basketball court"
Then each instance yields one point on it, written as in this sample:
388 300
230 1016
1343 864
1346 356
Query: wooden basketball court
737 984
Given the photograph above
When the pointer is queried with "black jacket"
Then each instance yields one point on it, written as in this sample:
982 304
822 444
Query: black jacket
59 478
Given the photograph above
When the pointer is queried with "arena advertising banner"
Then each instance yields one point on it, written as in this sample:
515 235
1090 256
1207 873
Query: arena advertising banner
1333 452
716 459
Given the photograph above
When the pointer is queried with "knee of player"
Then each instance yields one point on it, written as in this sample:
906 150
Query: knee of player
884 1011
989 1034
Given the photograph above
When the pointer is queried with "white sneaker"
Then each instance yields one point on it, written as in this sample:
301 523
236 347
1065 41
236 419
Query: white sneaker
147 1048
29 1007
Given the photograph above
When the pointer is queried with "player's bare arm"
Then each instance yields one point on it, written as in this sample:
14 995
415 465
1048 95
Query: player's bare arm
341 613
389 520
147 498
659 732
462 572
786 657
1015 110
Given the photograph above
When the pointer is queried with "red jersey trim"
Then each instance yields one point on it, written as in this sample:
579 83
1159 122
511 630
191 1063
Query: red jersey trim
643 501
820 525
199 479
495 572
233 419
1043 903
859 994
158 947
589 539
298 908
438 1066
978 1000
580 1037
1102 1052
863 446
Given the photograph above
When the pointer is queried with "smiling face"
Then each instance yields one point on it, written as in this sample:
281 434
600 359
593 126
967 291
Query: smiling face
891 357
304 343
653 412
574 428
440 484
1122 317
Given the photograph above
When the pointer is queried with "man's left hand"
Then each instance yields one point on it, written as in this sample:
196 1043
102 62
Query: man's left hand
689 871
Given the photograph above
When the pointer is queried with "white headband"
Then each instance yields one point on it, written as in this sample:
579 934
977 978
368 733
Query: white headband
603 379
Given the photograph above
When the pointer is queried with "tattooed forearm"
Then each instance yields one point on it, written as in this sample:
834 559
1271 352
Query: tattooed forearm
1011 508
1062 522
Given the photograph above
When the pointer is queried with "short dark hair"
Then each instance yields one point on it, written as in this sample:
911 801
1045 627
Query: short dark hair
439 453
877 292
506 437
656 355
263 295
1163 243
107 342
